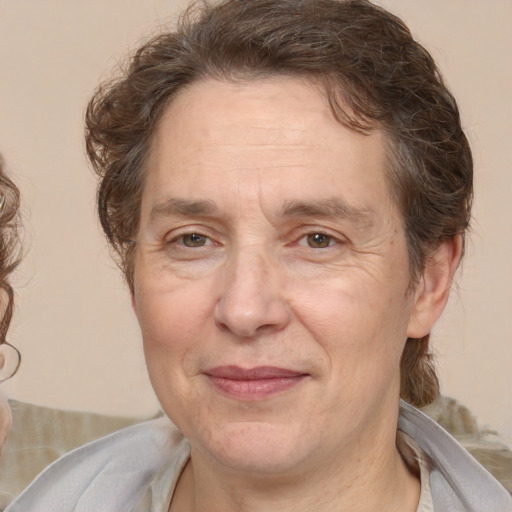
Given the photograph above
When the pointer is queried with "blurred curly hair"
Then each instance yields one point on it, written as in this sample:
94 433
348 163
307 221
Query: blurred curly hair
10 248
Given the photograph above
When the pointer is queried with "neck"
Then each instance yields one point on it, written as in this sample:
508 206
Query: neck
358 480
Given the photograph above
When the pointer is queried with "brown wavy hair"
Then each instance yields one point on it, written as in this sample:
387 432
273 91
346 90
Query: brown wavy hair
10 248
374 74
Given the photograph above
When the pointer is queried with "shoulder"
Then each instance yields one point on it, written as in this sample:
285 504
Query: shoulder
458 482
108 474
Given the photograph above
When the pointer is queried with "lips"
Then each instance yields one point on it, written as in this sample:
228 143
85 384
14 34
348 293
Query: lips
253 383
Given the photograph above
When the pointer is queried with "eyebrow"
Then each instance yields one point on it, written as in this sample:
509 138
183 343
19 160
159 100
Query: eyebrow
183 208
327 208
333 207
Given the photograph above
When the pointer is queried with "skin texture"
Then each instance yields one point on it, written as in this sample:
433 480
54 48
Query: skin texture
268 238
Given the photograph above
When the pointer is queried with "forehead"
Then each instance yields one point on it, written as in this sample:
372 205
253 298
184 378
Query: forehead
275 137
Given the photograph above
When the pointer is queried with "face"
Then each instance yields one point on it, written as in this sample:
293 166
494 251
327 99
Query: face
271 277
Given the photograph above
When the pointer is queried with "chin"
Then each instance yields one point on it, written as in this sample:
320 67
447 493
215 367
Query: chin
257 447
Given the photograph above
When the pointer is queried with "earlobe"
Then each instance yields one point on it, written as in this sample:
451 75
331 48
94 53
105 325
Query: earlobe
433 289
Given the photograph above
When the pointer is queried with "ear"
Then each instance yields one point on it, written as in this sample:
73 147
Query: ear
433 289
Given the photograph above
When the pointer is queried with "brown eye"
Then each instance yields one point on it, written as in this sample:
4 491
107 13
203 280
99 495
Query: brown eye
319 240
194 240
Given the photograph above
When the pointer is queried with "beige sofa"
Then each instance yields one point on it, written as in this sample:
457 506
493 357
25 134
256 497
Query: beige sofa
39 435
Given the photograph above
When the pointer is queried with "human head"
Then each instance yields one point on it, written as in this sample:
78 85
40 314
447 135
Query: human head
374 75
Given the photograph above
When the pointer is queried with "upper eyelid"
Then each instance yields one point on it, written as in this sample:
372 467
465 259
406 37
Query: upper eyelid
180 231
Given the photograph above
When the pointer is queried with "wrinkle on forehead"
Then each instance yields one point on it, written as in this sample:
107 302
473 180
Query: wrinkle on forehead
250 144
261 102
250 117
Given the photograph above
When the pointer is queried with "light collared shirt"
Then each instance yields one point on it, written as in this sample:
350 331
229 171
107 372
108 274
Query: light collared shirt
136 469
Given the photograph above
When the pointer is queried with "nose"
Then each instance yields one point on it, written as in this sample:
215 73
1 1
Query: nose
251 302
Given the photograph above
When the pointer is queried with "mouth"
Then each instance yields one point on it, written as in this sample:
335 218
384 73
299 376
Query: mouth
253 384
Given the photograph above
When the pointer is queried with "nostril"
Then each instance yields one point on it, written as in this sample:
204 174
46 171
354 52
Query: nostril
222 326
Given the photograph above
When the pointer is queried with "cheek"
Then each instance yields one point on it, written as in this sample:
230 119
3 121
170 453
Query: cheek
357 321
174 319
171 309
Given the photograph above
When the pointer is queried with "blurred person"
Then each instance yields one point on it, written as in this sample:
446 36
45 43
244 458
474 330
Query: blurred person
9 357
31 436
287 186
9 258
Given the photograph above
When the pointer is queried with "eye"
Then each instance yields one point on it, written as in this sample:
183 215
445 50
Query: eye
194 240
317 240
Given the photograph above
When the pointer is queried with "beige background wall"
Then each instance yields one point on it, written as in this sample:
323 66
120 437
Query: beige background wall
74 326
